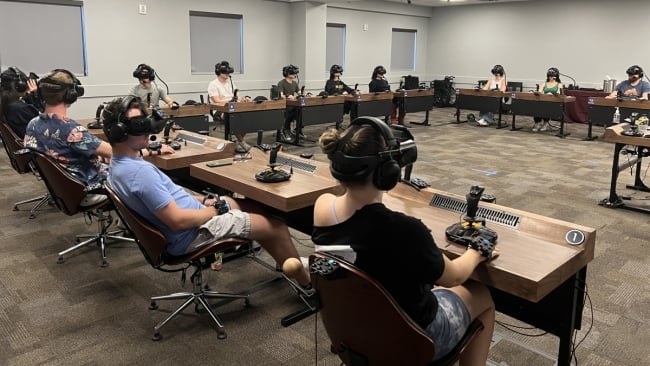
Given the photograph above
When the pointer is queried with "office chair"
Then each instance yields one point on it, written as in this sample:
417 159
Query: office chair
152 244
21 164
365 324
72 196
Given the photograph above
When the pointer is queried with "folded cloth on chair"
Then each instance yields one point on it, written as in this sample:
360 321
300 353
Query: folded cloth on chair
93 199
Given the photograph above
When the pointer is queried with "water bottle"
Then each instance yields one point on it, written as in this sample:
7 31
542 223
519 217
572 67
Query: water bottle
617 117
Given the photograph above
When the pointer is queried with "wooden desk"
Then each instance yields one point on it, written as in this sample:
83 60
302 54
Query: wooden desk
539 278
298 192
415 100
601 110
615 135
540 105
193 150
578 112
247 117
370 104
316 110
190 117
480 100
98 132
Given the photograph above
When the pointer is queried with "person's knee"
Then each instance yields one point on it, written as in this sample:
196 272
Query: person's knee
481 295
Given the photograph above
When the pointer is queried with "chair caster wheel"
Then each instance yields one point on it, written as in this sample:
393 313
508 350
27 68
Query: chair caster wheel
153 305
222 335
156 337
60 260
247 302
78 240
31 216
16 209
104 264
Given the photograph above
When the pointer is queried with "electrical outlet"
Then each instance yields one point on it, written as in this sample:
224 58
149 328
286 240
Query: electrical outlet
142 9
365 27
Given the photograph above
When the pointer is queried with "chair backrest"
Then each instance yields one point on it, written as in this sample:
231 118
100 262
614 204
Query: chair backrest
67 191
363 321
12 143
515 86
151 241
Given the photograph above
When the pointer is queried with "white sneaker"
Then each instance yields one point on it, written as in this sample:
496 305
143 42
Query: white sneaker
536 126
481 122
544 127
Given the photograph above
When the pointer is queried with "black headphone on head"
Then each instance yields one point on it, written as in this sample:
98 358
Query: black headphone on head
498 69
553 71
290 70
72 91
144 71
635 70
15 75
379 70
386 165
223 67
118 128
336 69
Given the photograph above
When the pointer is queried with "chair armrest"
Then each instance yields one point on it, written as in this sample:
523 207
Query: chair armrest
22 152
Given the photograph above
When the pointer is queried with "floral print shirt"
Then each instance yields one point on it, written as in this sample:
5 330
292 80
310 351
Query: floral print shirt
69 143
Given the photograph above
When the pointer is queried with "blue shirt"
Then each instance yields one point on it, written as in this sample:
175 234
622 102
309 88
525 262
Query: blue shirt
69 143
145 189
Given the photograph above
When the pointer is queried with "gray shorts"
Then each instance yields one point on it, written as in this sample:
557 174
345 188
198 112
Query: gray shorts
234 223
450 324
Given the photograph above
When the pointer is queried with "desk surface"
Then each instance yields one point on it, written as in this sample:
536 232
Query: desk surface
314 101
300 191
484 93
187 110
412 93
625 103
615 134
234 107
534 259
366 97
542 97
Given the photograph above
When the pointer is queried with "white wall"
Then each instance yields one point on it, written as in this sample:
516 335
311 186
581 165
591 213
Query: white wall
586 39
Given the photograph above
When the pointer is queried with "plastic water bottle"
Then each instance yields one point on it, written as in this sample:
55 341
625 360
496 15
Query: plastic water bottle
617 117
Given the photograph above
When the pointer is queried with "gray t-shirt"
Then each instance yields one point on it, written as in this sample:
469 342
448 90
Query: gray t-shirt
627 90
151 96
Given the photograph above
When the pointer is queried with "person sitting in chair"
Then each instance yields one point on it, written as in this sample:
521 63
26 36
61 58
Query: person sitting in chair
398 250
187 221
19 101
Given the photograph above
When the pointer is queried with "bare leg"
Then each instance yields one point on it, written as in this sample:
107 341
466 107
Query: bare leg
480 305
272 234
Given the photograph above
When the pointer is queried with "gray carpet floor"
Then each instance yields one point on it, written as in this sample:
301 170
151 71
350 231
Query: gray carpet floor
78 313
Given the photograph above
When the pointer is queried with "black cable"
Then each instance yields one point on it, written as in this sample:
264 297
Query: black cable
163 81
591 324
511 326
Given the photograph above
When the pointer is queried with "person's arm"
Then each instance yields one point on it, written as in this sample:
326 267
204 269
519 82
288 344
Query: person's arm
457 271
487 85
177 218
347 89
645 90
330 87
169 101
560 88
105 151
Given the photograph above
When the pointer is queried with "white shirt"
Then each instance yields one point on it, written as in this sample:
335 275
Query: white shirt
222 90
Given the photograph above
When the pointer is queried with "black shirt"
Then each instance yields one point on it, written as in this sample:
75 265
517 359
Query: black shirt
378 86
397 250
20 112
334 87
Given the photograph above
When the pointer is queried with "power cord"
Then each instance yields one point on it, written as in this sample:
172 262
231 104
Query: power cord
575 345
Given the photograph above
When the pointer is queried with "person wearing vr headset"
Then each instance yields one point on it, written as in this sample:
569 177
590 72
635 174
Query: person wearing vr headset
366 159
289 89
222 90
552 85
335 86
19 102
379 84
147 90
187 221
632 88
57 135
497 82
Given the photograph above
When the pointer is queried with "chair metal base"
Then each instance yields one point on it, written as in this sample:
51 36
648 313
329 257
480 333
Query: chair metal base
199 297
42 200
104 220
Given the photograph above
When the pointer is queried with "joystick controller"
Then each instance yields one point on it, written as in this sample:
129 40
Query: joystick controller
472 226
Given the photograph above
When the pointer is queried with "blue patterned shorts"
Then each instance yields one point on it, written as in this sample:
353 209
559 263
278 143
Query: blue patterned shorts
450 324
